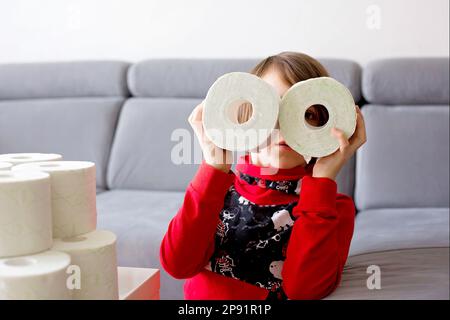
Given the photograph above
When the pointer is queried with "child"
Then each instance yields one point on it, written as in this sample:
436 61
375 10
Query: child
254 236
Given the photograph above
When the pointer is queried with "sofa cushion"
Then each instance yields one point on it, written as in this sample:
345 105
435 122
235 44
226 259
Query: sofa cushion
180 78
346 178
141 157
404 162
63 79
347 72
402 228
407 81
191 78
77 128
140 220
100 190
405 274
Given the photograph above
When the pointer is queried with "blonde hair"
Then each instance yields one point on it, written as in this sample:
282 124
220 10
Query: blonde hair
293 67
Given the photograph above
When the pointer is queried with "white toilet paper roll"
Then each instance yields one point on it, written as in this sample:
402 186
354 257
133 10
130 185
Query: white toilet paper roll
25 213
95 254
301 136
73 195
5 166
18 158
35 277
221 107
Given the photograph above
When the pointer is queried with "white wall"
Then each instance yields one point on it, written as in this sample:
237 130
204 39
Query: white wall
50 30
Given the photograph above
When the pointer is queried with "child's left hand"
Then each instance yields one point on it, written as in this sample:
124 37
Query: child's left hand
329 166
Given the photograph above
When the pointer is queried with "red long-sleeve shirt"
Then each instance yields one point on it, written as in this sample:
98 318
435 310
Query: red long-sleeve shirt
316 251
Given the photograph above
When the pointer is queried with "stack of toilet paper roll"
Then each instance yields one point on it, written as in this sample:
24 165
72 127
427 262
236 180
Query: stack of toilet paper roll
49 245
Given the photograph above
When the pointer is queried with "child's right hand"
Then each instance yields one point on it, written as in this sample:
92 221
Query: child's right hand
214 156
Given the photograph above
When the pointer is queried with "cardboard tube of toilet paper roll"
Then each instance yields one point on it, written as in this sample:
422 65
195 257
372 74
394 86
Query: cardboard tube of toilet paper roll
73 195
221 109
18 158
95 254
5 166
25 213
35 277
301 136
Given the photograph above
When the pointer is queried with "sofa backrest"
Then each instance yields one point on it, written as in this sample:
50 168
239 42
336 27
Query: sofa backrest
405 162
69 108
164 93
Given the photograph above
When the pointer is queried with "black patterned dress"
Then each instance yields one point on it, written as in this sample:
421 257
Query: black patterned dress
251 239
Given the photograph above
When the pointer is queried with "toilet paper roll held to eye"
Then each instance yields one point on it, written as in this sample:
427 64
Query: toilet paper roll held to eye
5 166
221 109
95 254
35 277
25 213
18 158
73 195
304 138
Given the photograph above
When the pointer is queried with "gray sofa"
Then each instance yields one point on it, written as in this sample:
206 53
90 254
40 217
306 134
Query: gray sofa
121 116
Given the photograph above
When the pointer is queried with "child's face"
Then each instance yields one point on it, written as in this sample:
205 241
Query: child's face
277 154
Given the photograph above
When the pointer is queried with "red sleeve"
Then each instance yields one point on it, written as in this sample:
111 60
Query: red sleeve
320 240
189 240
